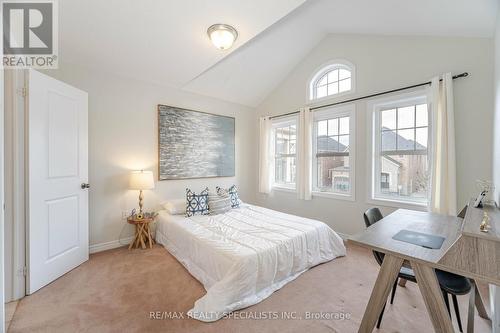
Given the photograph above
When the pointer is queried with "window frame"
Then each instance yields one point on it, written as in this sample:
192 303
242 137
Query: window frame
348 110
278 123
320 72
420 96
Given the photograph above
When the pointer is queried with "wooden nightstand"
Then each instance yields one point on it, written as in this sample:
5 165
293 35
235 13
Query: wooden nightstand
142 232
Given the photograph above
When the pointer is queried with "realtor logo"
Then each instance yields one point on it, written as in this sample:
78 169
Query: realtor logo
29 34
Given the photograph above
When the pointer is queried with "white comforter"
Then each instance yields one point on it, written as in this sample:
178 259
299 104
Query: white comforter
243 256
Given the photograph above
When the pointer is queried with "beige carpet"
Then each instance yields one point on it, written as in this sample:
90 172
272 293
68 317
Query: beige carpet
115 291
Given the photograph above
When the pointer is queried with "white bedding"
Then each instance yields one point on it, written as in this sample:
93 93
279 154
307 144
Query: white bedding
241 257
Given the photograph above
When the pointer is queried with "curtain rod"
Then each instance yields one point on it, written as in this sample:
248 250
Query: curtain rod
464 74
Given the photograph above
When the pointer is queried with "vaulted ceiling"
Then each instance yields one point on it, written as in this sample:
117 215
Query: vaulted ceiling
165 42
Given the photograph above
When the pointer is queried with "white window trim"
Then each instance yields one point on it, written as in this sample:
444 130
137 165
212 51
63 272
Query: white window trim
320 71
282 122
373 121
339 111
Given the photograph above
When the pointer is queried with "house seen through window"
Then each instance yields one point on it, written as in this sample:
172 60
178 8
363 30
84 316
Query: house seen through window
402 165
332 137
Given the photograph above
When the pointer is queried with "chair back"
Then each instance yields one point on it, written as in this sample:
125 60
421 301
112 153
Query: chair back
372 216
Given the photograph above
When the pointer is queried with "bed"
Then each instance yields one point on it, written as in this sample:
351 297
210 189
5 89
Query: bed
242 256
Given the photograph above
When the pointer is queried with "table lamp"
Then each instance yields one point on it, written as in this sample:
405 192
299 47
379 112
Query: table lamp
141 180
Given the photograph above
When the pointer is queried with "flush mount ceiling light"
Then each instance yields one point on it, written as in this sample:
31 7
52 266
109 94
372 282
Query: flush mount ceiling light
222 35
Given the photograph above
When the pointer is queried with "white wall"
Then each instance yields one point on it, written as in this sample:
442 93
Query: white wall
123 137
384 63
2 187
495 291
496 124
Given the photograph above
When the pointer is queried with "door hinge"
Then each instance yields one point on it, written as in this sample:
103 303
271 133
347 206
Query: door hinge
22 91
25 271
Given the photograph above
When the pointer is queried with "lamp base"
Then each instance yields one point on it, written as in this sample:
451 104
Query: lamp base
141 199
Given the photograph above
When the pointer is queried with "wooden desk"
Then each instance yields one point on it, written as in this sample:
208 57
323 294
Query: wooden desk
465 251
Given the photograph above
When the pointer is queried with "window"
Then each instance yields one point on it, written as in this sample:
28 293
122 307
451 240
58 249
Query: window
401 155
384 181
334 79
333 139
285 153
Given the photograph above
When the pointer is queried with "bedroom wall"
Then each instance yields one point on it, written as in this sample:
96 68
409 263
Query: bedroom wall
123 137
384 63
496 124
495 290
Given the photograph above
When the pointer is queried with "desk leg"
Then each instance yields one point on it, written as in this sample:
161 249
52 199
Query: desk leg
434 302
479 302
386 277
475 301
470 313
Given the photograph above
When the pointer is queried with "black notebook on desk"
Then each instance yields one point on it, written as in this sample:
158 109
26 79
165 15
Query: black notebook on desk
418 238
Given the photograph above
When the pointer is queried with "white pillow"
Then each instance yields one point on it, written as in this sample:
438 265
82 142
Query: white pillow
218 204
175 206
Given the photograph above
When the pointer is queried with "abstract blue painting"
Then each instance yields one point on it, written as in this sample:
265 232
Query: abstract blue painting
193 144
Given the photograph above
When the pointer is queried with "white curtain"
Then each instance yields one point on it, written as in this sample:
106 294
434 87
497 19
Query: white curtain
304 154
266 169
443 165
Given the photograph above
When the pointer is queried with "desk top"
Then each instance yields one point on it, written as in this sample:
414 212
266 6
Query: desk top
474 217
379 235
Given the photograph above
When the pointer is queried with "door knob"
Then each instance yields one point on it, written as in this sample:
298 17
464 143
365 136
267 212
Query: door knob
85 185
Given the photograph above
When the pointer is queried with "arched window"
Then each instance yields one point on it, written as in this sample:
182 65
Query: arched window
333 79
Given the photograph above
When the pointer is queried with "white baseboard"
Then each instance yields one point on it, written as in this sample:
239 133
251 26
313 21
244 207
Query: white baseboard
110 245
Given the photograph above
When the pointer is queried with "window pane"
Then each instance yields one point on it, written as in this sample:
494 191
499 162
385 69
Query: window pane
388 119
322 128
406 117
405 139
322 81
333 143
284 170
322 144
280 143
404 177
344 125
279 170
343 143
290 177
333 126
333 76
344 74
293 141
388 140
333 174
421 137
321 91
333 88
422 115
292 132
345 85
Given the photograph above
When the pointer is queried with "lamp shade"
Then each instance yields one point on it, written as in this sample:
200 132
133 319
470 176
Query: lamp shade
142 180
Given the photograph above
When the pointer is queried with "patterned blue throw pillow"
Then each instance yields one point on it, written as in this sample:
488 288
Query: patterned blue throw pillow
196 204
233 194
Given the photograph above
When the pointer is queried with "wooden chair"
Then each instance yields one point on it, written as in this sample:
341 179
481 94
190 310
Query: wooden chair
450 283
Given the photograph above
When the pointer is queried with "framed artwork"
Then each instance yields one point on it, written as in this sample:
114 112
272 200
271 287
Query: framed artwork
193 144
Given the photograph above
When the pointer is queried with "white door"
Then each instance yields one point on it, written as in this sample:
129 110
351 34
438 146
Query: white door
57 172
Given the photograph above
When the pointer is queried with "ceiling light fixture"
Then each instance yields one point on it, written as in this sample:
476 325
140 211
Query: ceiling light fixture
222 35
